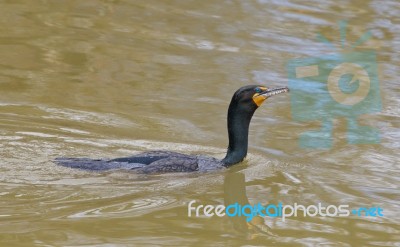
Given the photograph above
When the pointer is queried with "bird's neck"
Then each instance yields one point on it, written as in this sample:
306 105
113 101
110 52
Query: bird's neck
238 130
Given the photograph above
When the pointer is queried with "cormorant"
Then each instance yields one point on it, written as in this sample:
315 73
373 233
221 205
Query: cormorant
244 103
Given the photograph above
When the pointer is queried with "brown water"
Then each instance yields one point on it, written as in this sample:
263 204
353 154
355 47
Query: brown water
112 78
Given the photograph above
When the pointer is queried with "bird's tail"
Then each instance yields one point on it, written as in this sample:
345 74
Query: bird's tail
96 164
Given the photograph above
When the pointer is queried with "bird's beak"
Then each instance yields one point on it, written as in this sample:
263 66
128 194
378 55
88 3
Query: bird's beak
273 91
268 92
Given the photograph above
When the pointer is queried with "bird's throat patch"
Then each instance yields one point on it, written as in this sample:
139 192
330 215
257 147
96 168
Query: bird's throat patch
258 99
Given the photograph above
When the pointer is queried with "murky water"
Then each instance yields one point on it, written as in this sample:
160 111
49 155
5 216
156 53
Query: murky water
113 78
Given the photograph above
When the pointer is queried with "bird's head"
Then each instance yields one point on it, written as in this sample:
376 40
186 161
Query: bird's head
253 96
244 103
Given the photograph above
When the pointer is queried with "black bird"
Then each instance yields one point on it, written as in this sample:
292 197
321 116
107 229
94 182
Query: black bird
244 103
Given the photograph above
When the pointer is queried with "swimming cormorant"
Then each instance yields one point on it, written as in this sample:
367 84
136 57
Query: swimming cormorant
244 103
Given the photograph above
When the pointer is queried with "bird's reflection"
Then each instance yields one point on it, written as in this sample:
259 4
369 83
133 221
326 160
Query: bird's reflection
235 192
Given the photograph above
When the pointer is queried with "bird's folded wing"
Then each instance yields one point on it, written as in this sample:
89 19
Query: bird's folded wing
171 164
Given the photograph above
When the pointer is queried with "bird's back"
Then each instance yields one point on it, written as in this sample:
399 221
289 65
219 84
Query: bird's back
147 162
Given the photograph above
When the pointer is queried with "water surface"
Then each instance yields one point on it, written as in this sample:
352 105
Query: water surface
112 78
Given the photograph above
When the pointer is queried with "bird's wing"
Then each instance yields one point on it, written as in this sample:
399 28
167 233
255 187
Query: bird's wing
148 157
172 164
129 163
96 164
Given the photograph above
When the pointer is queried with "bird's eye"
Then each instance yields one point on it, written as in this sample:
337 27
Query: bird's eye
258 90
